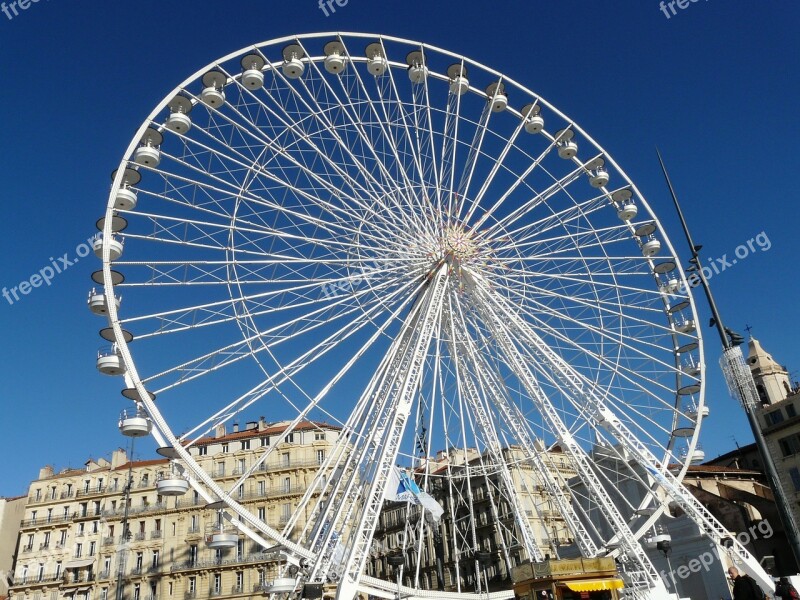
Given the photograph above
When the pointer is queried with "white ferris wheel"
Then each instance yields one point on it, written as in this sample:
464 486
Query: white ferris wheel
392 239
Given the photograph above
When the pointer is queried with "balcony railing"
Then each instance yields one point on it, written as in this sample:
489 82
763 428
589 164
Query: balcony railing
156 535
138 537
108 541
255 557
40 521
28 548
91 491
28 580
135 510
190 594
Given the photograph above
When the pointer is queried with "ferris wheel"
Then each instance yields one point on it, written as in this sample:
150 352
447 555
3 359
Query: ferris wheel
394 240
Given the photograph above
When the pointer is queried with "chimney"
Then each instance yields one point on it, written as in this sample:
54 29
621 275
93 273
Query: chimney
235 428
220 431
262 423
251 425
46 471
118 458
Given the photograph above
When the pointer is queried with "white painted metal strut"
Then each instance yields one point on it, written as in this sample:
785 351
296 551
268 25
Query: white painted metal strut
518 425
594 408
642 576
463 348
399 383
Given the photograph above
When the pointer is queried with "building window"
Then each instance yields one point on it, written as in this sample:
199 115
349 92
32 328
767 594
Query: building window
265 441
285 459
790 411
104 593
239 581
220 469
202 450
217 583
789 445
287 484
262 488
155 558
137 591
794 473
320 456
290 438
78 550
774 417
319 436
92 548
245 444
225 447
262 513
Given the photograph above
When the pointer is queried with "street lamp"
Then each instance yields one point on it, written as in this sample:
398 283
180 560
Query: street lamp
740 381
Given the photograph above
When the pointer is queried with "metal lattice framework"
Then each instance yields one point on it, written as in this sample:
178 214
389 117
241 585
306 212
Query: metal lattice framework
389 237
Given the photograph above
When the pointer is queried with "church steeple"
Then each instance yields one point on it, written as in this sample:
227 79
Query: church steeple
772 380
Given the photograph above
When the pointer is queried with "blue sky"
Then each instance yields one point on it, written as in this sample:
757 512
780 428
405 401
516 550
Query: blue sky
713 86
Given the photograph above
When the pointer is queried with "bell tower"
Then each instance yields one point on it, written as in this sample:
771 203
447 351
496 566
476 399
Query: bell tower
772 380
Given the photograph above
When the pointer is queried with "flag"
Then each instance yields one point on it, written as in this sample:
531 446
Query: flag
401 488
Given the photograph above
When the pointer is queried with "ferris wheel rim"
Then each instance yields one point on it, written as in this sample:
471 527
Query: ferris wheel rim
137 382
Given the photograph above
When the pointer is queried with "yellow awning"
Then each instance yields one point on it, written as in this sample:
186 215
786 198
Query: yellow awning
594 585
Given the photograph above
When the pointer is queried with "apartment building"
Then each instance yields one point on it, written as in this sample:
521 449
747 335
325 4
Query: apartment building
437 566
88 532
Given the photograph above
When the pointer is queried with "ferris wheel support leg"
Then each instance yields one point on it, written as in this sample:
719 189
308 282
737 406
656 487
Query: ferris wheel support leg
639 571
400 386
595 409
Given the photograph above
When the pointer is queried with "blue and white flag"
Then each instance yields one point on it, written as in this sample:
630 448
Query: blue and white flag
401 488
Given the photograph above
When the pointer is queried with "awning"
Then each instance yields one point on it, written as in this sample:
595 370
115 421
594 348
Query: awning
79 562
595 585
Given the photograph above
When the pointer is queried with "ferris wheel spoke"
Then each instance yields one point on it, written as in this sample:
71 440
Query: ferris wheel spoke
497 165
374 187
633 375
235 352
390 182
387 124
559 185
284 153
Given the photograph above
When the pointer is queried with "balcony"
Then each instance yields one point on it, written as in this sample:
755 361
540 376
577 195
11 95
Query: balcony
29 581
255 557
108 541
154 569
106 574
28 548
237 589
190 594
137 570
67 494
156 535
214 592
138 537
91 491
40 522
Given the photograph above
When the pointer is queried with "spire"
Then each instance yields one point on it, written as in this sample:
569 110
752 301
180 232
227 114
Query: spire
772 380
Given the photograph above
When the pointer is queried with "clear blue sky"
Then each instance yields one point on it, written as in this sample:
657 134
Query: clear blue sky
715 87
